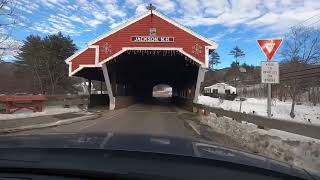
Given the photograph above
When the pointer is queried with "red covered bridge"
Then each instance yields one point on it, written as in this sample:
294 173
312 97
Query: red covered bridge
148 50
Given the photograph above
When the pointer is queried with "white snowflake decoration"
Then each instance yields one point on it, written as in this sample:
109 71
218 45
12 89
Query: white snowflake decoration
196 49
107 48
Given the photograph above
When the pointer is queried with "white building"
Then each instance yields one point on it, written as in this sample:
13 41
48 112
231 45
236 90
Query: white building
220 88
83 88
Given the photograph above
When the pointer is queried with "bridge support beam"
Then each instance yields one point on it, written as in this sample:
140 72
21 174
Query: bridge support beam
201 72
109 88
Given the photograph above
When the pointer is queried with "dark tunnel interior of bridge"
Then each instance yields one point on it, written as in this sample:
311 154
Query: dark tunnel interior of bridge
135 73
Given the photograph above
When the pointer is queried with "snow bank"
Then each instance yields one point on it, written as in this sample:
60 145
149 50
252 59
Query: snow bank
50 110
292 148
280 110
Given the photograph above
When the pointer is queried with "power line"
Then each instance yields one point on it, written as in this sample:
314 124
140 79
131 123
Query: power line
297 76
284 78
283 34
314 23
305 20
298 70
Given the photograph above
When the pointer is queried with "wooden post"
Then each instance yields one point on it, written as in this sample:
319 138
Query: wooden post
100 87
89 91
201 73
108 84
89 87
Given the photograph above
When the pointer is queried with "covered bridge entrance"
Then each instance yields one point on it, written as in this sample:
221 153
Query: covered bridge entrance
149 50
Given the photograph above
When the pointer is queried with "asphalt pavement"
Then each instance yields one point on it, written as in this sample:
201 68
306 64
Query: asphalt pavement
148 119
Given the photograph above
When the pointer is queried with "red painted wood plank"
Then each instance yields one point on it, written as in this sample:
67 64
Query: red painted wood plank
122 38
22 98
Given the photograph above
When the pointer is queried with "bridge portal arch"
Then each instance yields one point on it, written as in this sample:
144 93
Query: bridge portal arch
148 50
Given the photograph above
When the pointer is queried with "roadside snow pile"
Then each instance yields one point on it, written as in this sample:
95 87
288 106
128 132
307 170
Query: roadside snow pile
292 148
50 110
280 110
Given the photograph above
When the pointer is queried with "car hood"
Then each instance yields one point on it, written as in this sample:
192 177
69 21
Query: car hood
151 143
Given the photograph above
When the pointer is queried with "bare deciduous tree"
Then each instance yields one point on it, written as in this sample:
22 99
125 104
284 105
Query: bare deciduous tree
301 48
9 19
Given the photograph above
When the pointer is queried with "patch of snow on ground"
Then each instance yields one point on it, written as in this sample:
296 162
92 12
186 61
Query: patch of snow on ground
279 109
50 110
295 149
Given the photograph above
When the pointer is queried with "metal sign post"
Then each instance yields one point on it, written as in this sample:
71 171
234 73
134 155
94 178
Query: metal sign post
269 75
269 101
269 69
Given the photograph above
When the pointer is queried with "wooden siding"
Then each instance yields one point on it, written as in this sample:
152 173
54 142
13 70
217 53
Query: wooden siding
85 58
122 38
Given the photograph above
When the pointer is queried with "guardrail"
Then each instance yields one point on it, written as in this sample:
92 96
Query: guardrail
264 122
67 100
63 97
232 114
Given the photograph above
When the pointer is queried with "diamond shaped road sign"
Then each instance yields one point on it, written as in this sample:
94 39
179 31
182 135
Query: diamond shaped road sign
269 46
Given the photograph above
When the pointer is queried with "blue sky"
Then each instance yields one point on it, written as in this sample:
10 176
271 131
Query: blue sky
230 23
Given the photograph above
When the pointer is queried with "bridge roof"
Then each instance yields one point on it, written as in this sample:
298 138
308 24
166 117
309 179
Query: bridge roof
150 31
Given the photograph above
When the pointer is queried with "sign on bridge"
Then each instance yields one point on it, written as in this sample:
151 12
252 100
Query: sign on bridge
152 39
270 72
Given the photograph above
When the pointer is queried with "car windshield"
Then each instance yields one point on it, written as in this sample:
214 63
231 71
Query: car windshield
242 75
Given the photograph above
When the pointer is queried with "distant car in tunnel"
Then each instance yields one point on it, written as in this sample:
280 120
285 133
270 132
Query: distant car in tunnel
162 90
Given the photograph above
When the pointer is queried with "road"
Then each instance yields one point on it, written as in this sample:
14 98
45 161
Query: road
137 119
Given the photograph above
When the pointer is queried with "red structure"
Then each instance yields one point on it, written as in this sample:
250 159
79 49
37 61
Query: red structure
15 103
148 34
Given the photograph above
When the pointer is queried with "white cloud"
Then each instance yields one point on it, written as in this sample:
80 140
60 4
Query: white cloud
166 6
24 9
72 7
312 4
112 8
74 17
283 21
52 3
190 7
218 36
80 15
115 24
94 22
140 6
227 34
56 23
215 7
99 15
227 13
133 3
275 15
62 23
26 6
54 28
198 21
141 9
